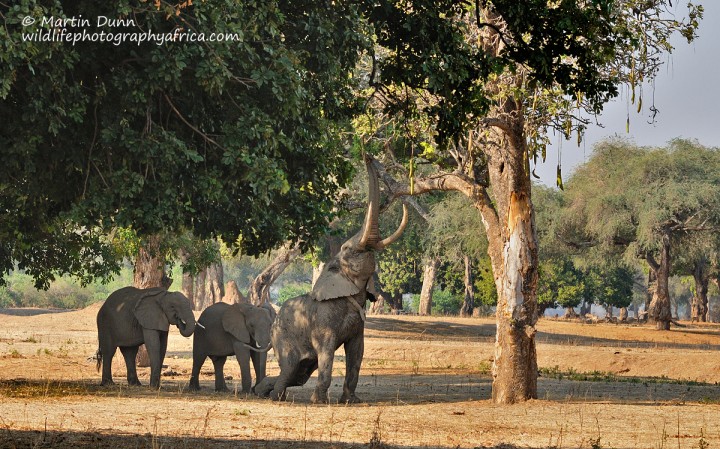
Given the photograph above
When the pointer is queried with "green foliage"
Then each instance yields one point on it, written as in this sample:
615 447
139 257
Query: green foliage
561 283
63 293
237 139
446 303
485 291
288 291
613 285
626 198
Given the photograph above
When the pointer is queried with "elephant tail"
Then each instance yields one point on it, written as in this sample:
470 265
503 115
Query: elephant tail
98 357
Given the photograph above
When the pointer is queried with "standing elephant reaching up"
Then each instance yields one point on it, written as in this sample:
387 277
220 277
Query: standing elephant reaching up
133 316
310 328
240 329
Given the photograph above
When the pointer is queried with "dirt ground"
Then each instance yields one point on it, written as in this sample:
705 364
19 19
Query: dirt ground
426 383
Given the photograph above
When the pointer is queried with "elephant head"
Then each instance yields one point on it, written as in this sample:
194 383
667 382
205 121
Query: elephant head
159 308
349 271
250 324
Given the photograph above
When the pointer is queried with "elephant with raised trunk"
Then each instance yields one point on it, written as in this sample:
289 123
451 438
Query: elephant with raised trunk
133 316
310 328
239 329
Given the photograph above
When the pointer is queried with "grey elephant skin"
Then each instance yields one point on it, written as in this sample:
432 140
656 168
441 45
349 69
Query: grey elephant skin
131 317
240 329
310 328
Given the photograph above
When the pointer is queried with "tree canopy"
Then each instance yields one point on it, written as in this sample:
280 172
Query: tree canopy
647 203
238 138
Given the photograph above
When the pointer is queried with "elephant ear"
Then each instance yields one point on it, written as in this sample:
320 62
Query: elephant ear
149 312
233 321
332 283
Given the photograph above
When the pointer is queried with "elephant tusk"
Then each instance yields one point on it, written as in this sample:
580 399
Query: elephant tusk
252 348
258 345
198 324
183 322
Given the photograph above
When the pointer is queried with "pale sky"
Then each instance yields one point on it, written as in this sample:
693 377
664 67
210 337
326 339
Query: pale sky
687 93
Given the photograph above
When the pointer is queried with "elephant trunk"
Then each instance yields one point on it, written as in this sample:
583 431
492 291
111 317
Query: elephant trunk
186 325
370 233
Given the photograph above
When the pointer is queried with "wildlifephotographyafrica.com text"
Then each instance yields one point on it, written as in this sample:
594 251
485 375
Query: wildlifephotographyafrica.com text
104 29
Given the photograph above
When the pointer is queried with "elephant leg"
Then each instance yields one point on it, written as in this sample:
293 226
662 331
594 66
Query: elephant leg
243 357
288 370
130 354
265 387
325 365
259 361
198 361
155 344
107 352
354 350
219 365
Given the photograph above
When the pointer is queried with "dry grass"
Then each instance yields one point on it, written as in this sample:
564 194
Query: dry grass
426 382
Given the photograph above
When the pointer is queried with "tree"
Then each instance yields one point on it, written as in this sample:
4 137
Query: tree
561 283
237 139
487 78
642 202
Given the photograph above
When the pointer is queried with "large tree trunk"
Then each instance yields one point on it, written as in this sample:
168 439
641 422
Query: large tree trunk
651 286
426 293
209 287
660 310
259 290
515 268
469 299
702 280
232 294
149 264
377 307
149 272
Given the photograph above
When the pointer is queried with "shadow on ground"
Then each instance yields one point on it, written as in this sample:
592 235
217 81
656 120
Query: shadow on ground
397 390
424 330
31 311
21 439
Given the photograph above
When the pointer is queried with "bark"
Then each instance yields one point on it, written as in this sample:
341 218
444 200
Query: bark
200 291
652 282
259 290
623 314
209 287
232 294
149 272
585 308
149 265
660 310
702 281
426 293
395 302
570 312
469 300
377 307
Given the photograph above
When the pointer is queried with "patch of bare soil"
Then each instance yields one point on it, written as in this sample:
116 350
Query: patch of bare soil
426 383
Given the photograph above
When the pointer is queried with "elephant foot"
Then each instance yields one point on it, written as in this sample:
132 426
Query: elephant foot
265 387
134 383
194 386
107 383
222 389
279 395
350 399
319 398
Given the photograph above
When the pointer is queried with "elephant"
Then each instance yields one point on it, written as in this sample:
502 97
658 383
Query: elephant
241 329
310 328
132 316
